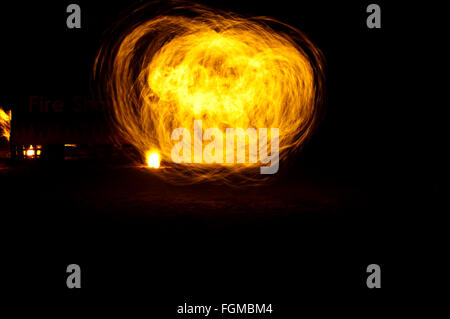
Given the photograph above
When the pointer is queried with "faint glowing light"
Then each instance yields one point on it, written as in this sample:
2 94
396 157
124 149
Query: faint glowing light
153 160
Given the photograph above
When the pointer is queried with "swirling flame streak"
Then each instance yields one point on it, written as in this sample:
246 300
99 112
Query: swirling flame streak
5 124
223 69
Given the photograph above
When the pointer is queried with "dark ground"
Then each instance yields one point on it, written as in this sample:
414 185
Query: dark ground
145 245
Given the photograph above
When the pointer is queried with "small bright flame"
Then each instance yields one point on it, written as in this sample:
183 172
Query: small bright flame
153 160
5 124
30 152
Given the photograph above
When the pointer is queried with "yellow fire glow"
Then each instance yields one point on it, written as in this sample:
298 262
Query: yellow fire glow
153 160
30 151
228 71
5 124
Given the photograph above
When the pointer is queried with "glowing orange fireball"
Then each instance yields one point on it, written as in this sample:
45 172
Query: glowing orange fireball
165 72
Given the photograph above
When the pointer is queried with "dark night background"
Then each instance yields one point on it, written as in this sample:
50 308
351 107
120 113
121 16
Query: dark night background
361 192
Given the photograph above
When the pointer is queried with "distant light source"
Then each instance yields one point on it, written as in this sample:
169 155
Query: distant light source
30 152
33 151
153 160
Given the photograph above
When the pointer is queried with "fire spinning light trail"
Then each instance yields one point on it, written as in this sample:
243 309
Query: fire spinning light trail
5 124
188 64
